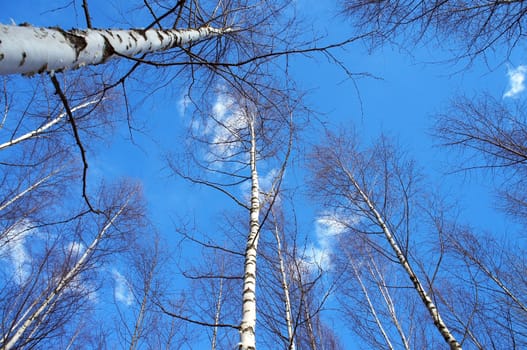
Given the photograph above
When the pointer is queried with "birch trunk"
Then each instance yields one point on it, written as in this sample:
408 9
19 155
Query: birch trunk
309 322
373 311
138 327
285 288
50 299
382 285
27 190
32 50
427 300
217 315
248 323
40 130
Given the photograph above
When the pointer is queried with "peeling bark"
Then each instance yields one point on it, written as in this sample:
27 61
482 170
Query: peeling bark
30 50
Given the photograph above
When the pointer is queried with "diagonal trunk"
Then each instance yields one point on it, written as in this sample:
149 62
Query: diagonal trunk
371 306
62 284
418 286
27 190
381 284
31 50
37 132
248 323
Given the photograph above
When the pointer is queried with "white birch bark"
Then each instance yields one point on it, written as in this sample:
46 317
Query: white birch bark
309 322
285 288
44 127
62 284
27 190
427 300
31 50
248 323
217 315
381 283
373 311
138 327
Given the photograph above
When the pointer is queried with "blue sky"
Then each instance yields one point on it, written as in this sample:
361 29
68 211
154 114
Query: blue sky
399 99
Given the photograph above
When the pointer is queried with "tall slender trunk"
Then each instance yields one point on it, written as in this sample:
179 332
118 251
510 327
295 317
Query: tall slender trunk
285 288
62 284
373 311
381 284
138 327
248 323
418 286
31 50
217 315
309 321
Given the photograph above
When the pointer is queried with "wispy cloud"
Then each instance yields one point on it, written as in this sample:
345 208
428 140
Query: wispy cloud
183 104
267 181
327 228
76 249
231 120
14 249
122 291
516 81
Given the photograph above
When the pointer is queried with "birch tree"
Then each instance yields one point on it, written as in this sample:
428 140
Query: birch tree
83 83
239 135
365 187
377 313
56 282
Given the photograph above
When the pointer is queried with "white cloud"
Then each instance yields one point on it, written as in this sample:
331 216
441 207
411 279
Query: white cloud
516 81
14 247
76 249
122 290
183 103
267 181
230 122
223 131
327 228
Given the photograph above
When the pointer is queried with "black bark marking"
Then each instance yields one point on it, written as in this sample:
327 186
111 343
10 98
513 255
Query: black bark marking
159 36
108 50
77 41
1 56
120 38
23 60
133 36
43 69
142 32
